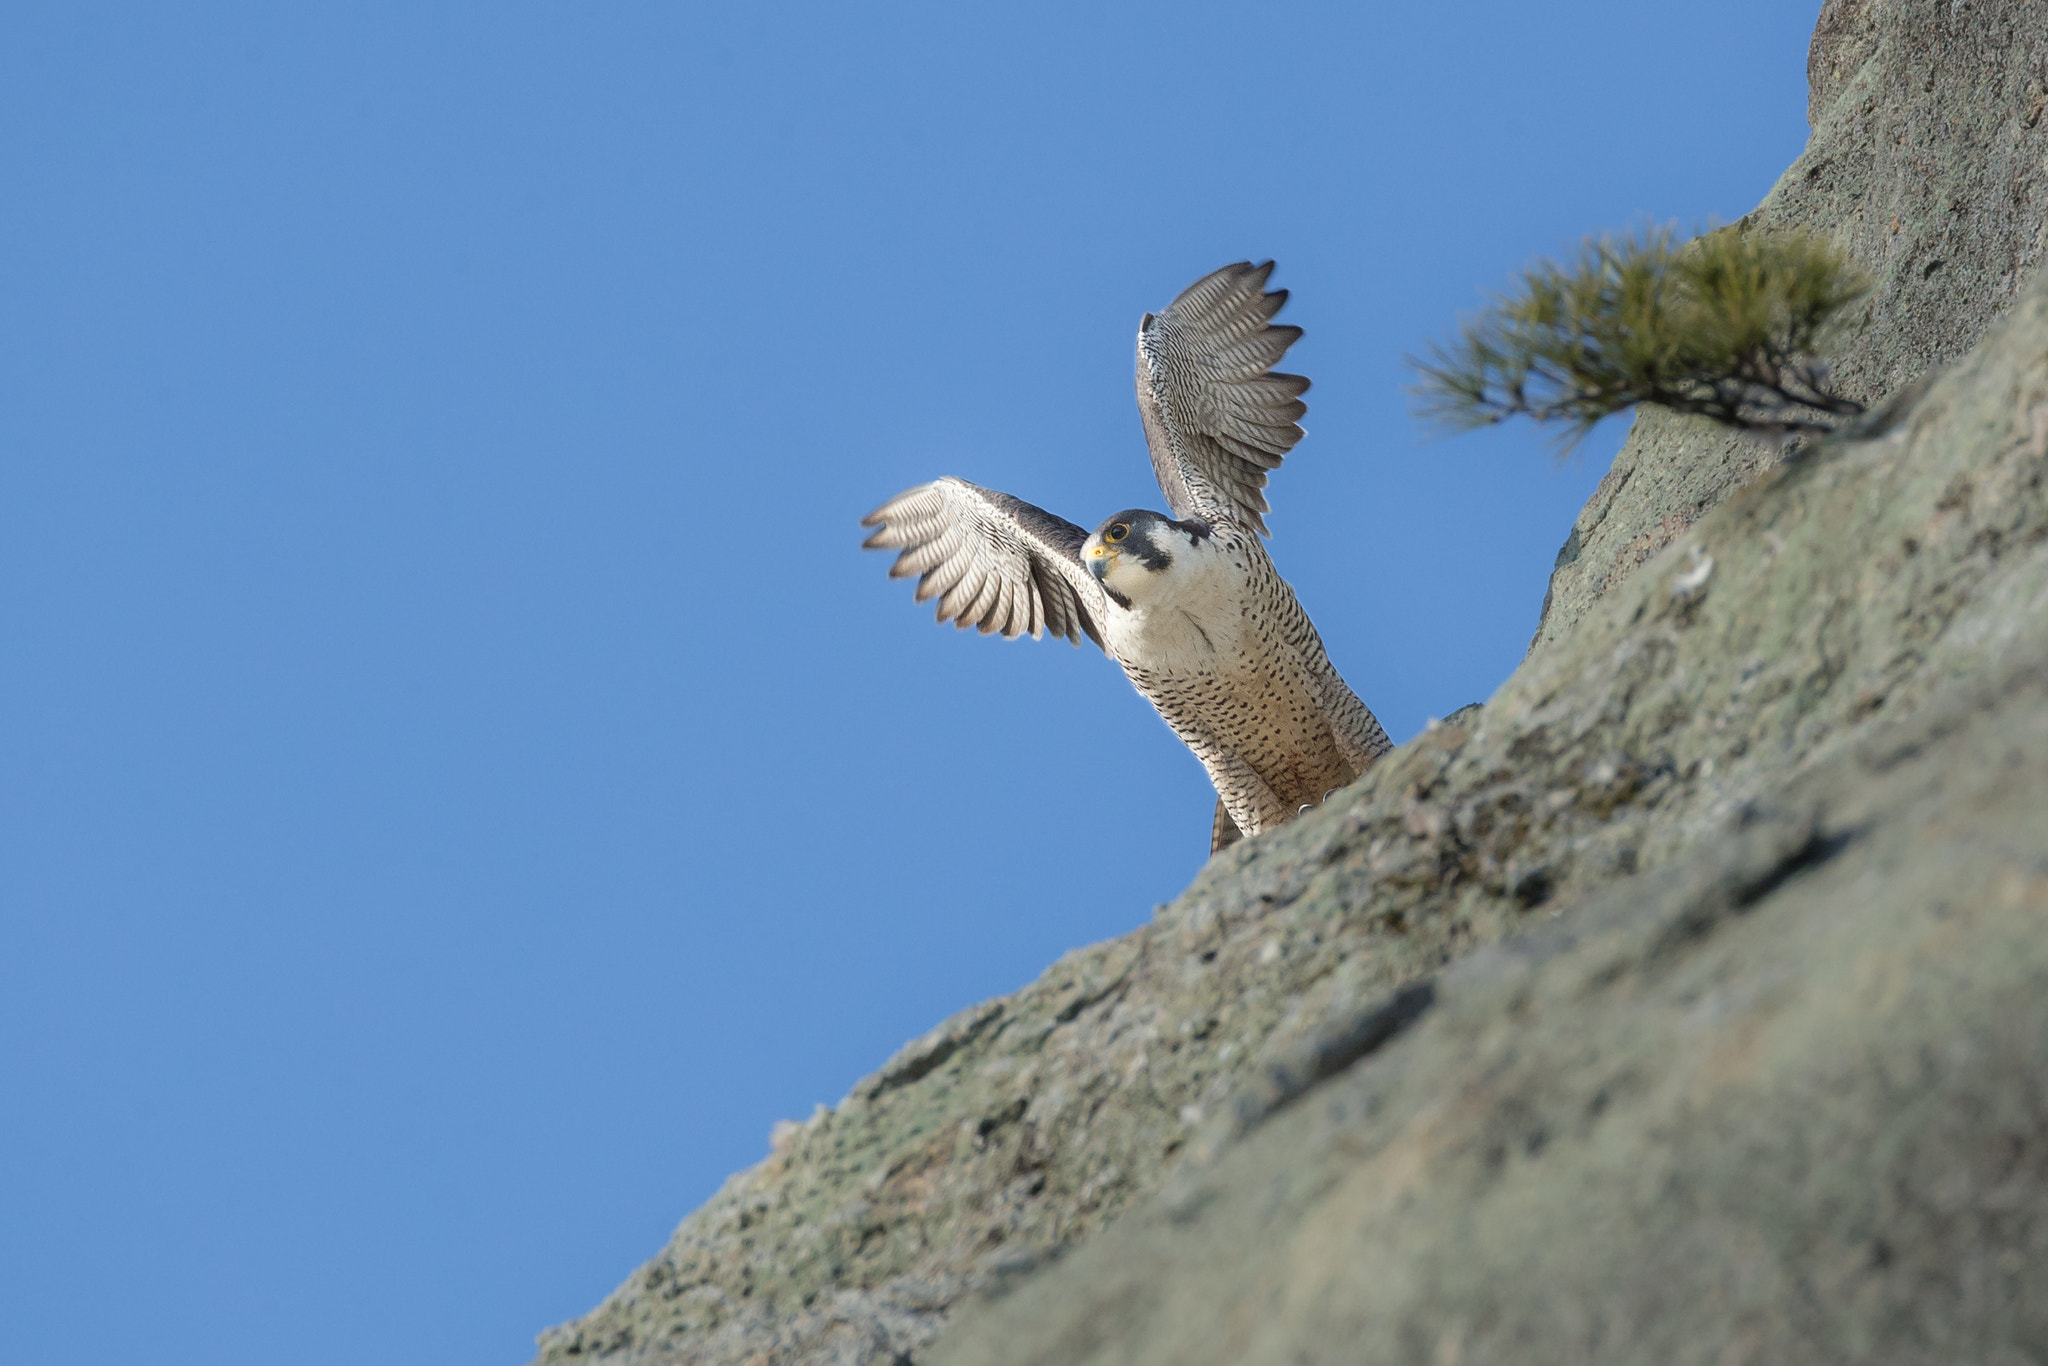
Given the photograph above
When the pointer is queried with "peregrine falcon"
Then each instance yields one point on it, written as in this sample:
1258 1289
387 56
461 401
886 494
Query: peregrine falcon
1189 605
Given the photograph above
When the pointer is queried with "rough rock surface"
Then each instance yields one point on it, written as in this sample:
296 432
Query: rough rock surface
1685 855
1928 165
1781 1097
1785 1101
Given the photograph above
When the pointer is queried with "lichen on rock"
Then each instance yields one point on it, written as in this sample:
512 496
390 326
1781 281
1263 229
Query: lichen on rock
1684 1004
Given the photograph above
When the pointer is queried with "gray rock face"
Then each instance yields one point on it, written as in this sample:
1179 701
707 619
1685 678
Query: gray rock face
1782 1096
1687 1003
1786 1100
1928 165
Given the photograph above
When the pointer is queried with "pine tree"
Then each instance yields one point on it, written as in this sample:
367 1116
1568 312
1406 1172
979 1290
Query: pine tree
1728 326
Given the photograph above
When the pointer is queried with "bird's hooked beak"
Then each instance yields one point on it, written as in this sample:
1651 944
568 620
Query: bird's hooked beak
1101 559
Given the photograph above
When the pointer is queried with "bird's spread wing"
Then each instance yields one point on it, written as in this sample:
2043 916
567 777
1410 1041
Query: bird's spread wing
994 562
1217 416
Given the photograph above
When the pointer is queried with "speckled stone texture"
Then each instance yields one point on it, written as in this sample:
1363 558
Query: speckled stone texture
1684 1005
1782 1095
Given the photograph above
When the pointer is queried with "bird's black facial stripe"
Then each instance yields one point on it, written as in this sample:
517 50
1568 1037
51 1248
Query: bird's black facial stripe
1147 551
1132 532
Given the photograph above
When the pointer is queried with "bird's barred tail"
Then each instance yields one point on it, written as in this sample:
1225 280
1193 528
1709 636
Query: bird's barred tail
1223 831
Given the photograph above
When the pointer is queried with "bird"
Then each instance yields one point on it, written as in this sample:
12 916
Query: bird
1188 604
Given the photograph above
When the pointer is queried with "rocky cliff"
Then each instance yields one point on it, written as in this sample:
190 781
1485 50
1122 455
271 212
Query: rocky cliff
1925 165
1689 1004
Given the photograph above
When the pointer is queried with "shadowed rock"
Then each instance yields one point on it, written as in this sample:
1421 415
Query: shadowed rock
1782 1096
1684 1004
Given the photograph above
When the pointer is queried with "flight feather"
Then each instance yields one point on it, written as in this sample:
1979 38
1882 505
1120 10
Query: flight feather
994 562
1217 415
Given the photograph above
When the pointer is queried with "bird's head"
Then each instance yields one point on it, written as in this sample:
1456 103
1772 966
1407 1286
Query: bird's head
1128 552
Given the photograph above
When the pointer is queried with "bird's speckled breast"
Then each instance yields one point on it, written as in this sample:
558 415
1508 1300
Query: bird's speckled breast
1224 655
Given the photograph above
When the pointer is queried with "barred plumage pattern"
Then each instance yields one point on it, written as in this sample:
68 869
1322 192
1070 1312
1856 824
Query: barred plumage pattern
1273 722
994 562
1217 415
1266 713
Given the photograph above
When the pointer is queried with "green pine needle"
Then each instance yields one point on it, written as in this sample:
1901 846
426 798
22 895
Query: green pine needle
1726 326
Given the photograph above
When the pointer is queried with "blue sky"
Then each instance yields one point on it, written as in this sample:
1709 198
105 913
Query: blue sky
460 780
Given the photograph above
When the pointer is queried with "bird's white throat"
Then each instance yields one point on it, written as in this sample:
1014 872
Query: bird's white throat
1184 617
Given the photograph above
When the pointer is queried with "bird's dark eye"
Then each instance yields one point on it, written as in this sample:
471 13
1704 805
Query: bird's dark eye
1117 531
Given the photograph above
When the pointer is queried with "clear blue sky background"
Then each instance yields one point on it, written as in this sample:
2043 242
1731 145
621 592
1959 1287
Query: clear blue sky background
460 781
